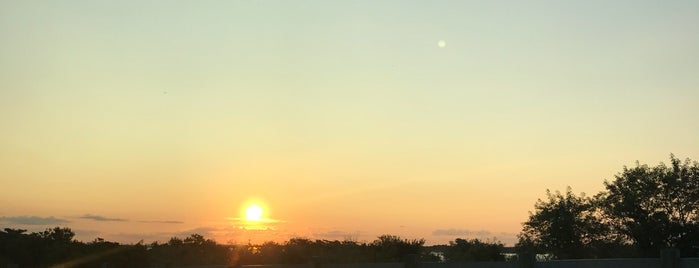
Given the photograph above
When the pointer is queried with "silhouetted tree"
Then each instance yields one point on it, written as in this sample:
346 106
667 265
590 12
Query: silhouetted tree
299 250
391 248
56 247
193 250
15 247
387 248
656 207
473 250
565 225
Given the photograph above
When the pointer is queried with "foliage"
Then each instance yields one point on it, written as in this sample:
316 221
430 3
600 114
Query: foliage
193 250
566 226
56 247
474 250
392 248
644 210
386 248
656 207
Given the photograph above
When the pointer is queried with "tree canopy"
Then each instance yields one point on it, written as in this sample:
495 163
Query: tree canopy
564 225
56 246
642 211
474 250
656 207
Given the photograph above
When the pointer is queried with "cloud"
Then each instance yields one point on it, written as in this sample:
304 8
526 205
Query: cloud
264 220
347 236
207 232
163 237
100 218
166 222
33 220
458 232
86 235
265 224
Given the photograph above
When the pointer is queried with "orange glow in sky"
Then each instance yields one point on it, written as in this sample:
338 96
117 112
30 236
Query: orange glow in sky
129 120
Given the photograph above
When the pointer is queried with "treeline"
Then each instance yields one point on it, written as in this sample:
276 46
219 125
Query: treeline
57 246
643 211
386 248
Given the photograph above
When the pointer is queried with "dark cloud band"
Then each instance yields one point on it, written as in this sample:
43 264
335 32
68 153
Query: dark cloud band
33 220
100 218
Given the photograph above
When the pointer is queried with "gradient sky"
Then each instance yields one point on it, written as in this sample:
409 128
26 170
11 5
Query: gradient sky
133 120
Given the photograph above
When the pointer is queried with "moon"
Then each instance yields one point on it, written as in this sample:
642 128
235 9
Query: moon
253 213
442 43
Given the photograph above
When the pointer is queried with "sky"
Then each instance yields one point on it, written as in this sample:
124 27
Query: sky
143 120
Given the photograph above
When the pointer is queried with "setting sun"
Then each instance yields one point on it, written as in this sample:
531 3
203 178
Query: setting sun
253 213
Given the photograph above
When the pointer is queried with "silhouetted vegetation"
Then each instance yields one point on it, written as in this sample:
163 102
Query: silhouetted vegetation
57 246
473 250
386 248
644 210
569 227
193 250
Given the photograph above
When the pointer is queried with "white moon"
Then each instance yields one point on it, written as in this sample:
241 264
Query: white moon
442 43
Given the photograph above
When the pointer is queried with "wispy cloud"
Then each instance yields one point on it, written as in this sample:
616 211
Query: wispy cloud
166 222
264 220
86 235
207 232
33 220
457 232
335 235
100 218
265 224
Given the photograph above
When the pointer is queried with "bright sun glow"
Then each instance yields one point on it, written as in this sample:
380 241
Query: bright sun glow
253 213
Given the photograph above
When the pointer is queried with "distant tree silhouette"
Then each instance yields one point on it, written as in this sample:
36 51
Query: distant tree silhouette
15 247
391 248
386 248
57 247
193 250
461 250
300 250
44 248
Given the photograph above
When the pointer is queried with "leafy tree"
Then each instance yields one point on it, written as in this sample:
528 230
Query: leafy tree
656 207
566 226
57 235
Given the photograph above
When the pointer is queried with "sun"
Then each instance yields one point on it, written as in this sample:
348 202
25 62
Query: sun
253 213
